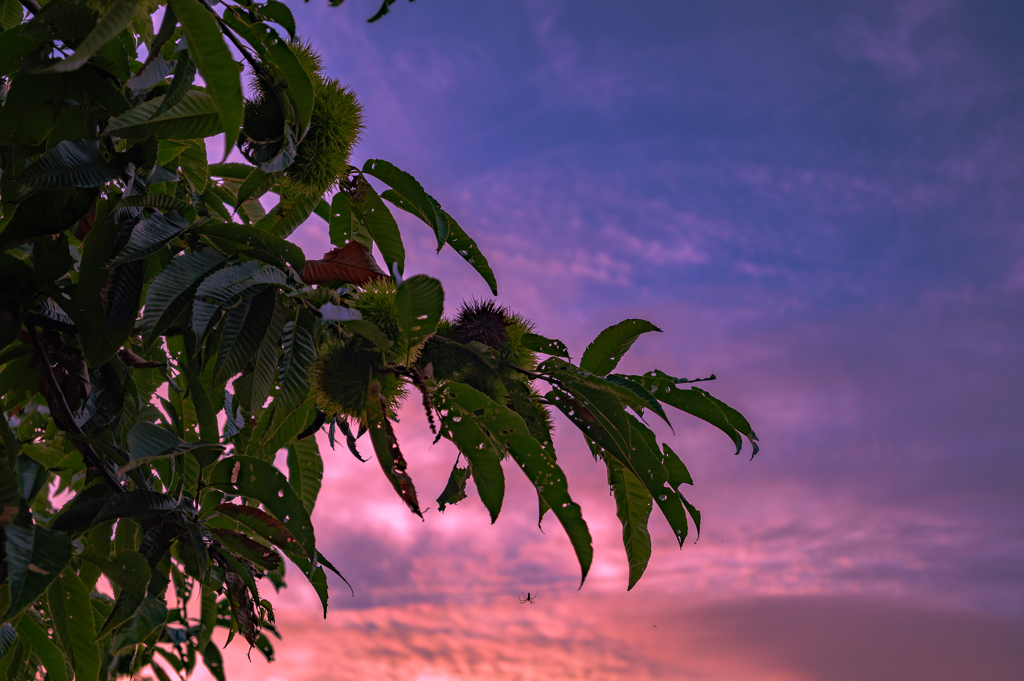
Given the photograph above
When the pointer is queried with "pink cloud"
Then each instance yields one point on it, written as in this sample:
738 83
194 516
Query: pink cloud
568 636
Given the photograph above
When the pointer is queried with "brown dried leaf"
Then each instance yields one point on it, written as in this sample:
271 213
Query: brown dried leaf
85 224
242 607
353 264
267 526
244 547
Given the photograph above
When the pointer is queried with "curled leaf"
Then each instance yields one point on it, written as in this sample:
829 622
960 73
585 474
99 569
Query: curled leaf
353 264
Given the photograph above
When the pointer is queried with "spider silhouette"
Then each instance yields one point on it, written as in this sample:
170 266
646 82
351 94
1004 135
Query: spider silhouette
528 598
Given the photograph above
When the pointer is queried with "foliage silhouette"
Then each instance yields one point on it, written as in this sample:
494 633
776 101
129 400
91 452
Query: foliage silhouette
161 340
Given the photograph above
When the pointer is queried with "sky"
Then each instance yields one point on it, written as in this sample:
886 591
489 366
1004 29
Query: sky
821 204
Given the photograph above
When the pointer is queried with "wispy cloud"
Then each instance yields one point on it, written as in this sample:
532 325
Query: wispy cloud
569 637
822 207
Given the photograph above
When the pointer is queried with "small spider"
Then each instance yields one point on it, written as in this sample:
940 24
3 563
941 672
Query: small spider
528 598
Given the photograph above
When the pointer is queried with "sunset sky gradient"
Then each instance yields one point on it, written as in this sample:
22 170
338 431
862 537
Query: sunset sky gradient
821 203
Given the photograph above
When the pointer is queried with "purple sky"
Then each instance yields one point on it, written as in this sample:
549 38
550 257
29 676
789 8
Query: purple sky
822 204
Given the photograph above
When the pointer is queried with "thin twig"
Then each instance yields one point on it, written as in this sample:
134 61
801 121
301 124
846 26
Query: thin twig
88 453
256 66
527 372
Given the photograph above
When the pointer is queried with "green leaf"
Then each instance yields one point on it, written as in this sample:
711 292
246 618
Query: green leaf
113 21
277 427
201 403
256 184
93 285
296 83
161 675
547 346
35 556
215 63
677 471
124 295
584 385
207 617
701 404
9 444
736 420
279 13
53 259
299 354
164 202
457 239
323 210
11 14
427 209
31 477
7 638
420 303
343 225
230 171
213 661
49 654
305 470
479 449
115 56
151 74
527 404
286 217
318 581
13 47
645 397
71 163
379 221
252 211
218 200
455 490
385 7
150 617
510 431
169 150
470 252
243 330
603 419
385 446
371 332
255 243
194 165
259 480
128 570
646 463
692 510
181 84
604 353
633 505
150 235
229 285
169 294
253 393
71 615
194 117
138 504
46 212
148 442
